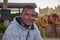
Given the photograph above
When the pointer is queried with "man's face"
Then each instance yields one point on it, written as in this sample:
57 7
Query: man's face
28 16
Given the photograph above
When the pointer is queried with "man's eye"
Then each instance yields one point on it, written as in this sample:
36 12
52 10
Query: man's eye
33 15
26 14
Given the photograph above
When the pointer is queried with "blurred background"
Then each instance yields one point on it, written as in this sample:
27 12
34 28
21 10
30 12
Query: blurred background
47 12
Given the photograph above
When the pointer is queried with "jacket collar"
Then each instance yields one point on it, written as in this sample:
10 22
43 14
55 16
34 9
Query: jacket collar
18 19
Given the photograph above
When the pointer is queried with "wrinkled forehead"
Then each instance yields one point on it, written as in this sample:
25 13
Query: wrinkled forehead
29 10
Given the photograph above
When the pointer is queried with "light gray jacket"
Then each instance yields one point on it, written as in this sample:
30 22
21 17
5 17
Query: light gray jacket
15 31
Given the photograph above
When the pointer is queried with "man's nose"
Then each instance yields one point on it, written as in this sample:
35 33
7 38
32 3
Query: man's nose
30 17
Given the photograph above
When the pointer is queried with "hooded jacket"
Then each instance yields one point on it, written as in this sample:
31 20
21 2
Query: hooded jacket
16 31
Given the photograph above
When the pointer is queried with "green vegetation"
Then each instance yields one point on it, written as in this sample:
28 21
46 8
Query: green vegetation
2 28
13 15
36 15
1 21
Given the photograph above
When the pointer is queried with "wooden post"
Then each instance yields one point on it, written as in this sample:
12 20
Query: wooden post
5 5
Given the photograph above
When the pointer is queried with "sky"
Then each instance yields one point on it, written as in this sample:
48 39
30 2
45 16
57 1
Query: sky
40 3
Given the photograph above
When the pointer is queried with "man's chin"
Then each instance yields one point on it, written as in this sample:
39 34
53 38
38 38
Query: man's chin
29 24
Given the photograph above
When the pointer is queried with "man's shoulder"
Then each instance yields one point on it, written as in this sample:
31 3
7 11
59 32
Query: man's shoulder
35 27
12 28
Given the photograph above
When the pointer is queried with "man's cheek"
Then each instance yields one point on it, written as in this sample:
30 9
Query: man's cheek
32 19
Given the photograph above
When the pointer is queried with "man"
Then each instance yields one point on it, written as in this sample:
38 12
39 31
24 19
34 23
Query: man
22 27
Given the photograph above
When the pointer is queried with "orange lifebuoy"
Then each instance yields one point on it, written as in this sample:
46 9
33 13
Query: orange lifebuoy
42 22
37 23
59 20
54 18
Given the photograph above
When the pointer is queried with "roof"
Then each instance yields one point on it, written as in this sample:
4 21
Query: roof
18 5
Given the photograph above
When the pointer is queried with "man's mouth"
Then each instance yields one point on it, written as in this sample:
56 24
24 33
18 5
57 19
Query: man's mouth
29 21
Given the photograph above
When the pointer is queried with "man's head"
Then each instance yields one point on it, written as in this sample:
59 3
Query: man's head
28 15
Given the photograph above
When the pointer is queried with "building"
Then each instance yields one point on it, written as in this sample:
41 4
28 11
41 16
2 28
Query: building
47 11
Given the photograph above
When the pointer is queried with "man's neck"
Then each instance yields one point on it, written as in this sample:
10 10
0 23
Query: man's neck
26 26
